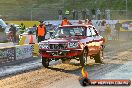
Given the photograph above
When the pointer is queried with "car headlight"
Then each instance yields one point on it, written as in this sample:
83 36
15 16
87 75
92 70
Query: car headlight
43 46
73 44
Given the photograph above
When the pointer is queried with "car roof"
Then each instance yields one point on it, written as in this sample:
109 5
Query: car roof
77 25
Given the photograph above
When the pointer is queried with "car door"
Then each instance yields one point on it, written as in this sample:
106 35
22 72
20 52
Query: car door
90 40
97 40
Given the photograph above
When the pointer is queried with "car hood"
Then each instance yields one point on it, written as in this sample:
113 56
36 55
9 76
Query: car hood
62 40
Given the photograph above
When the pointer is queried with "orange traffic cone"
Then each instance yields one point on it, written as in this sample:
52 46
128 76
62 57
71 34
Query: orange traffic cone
31 40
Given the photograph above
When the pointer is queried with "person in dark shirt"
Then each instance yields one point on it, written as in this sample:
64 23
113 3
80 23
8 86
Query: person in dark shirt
117 28
83 14
13 32
60 14
93 13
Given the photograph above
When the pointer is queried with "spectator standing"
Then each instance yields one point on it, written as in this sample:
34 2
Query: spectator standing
103 28
22 28
113 32
107 11
60 14
108 32
65 22
34 27
67 13
41 32
83 14
103 14
2 34
87 14
12 33
74 14
98 14
98 25
50 29
93 13
77 13
117 28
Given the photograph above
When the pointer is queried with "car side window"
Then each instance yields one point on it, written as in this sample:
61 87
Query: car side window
89 33
93 32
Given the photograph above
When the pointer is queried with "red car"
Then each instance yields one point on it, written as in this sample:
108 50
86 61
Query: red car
73 42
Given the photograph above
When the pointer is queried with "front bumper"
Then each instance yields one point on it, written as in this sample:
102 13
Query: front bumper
60 53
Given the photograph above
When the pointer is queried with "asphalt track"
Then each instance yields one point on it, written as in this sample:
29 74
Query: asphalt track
31 74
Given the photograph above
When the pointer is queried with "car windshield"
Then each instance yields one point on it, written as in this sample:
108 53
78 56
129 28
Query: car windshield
69 31
2 23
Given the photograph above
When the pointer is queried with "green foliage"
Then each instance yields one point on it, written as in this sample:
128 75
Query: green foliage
18 7
79 4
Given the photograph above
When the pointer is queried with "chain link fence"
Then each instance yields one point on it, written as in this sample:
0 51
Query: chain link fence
52 14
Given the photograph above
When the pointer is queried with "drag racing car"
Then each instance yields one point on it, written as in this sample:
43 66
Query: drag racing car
72 42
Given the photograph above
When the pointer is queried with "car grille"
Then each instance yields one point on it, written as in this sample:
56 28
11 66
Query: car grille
57 46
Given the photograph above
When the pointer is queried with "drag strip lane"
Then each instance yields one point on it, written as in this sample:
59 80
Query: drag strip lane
61 73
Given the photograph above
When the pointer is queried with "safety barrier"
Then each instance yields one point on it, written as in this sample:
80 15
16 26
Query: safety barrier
23 52
35 49
8 44
18 52
126 24
7 54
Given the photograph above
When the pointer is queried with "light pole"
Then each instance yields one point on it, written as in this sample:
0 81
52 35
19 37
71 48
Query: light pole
31 14
64 4
126 9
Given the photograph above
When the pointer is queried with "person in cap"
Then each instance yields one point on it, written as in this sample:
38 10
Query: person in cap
41 31
65 22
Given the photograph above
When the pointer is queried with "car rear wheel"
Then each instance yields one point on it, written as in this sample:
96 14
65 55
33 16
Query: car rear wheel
45 62
99 57
83 57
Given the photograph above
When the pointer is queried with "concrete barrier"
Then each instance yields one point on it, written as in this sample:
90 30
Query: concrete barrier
8 44
23 52
7 54
13 53
2 37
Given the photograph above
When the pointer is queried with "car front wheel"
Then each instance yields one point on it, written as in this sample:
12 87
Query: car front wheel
45 62
99 57
83 57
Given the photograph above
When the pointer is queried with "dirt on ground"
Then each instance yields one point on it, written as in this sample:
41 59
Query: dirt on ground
56 76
